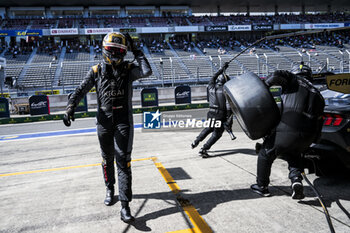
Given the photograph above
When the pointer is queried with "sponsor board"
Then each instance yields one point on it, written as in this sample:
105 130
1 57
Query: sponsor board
149 97
183 94
82 106
262 27
6 95
339 82
290 26
98 31
21 32
216 28
39 105
125 30
64 31
323 25
186 29
4 108
47 92
155 29
238 28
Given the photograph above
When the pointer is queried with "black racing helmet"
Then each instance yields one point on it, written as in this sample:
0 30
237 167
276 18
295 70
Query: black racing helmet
303 70
114 48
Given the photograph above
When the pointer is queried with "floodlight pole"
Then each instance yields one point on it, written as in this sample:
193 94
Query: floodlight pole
212 64
342 62
258 61
172 71
309 58
50 66
162 70
267 67
62 77
301 56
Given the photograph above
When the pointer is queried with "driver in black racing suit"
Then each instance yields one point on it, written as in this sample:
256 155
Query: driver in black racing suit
113 82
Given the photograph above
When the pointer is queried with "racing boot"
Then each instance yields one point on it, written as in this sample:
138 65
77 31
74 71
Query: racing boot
203 153
261 190
194 144
125 214
109 196
298 189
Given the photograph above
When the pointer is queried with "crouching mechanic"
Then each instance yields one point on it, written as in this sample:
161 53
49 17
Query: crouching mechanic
113 79
219 110
300 125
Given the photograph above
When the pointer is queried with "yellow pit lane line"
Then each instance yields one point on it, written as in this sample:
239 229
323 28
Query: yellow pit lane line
196 219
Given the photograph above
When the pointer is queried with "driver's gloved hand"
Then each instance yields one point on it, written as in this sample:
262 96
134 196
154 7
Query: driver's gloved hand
69 115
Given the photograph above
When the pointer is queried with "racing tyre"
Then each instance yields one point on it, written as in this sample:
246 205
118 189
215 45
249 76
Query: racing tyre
253 105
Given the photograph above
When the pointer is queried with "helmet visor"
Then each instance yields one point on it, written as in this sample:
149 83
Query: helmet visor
116 51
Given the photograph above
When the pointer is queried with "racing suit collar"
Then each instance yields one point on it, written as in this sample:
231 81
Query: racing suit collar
108 69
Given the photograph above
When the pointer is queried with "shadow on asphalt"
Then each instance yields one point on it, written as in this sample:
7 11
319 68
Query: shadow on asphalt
333 190
218 153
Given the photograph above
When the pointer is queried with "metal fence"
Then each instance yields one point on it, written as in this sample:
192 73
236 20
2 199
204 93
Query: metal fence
177 70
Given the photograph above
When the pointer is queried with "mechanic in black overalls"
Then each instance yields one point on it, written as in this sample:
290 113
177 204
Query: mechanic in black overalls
295 132
219 110
113 82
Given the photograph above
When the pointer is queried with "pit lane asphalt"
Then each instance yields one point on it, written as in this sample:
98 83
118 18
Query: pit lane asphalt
54 184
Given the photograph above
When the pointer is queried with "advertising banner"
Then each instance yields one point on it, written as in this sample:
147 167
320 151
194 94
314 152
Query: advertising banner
39 105
47 92
339 82
82 106
125 30
186 29
149 97
64 31
290 26
21 32
4 108
262 27
216 28
155 29
323 25
98 31
183 94
238 28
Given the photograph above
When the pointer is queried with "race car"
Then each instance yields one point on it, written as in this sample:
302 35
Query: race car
333 147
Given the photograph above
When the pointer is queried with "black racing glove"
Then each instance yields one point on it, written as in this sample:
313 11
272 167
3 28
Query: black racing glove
216 75
226 65
132 46
69 115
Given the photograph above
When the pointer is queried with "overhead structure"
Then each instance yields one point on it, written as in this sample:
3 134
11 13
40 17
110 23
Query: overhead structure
200 6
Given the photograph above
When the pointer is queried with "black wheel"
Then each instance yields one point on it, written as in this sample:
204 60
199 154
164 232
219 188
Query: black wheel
253 105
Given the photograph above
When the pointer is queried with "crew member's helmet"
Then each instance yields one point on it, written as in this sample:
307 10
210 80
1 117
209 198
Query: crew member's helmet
302 70
114 48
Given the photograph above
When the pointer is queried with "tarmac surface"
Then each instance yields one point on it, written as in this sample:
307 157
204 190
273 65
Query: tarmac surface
51 181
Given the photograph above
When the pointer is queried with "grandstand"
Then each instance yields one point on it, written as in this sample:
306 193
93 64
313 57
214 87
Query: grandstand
55 46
